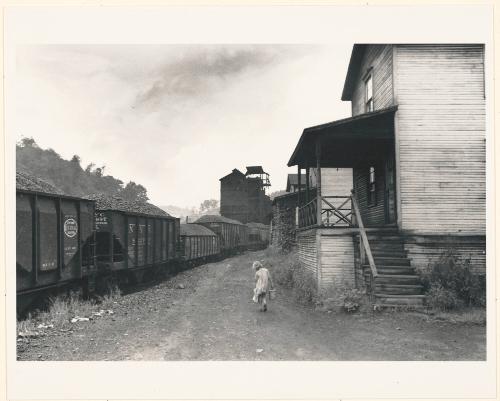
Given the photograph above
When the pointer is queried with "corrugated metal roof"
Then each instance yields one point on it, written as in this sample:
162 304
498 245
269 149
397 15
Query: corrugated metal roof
211 218
196 229
27 182
105 202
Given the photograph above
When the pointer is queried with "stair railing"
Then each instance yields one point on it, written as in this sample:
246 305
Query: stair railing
365 249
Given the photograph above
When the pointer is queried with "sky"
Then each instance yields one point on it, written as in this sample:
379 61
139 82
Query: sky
176 118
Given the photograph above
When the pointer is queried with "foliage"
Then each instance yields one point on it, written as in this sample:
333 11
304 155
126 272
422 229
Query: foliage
450 283
69 176
288 273
209 204
346 298
442 298
133 191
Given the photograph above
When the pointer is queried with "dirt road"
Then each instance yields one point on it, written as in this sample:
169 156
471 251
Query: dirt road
214 318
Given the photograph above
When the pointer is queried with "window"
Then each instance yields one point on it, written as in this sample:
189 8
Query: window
369 93
372 187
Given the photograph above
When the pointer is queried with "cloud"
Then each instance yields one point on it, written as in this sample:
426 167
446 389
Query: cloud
200 71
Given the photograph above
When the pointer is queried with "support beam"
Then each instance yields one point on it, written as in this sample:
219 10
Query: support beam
299 183
307 184
318 184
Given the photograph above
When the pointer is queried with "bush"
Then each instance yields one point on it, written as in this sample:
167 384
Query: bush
442 298
450 283
287 272
347 298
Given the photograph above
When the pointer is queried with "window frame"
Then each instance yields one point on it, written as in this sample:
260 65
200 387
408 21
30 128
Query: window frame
371 194
369 101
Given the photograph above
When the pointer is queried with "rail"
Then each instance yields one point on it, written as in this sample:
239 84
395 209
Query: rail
364 245
307 214
336 211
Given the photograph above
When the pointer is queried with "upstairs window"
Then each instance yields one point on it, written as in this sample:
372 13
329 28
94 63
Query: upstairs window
372 187
369 94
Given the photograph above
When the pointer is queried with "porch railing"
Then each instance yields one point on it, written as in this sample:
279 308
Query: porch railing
340 211
336 211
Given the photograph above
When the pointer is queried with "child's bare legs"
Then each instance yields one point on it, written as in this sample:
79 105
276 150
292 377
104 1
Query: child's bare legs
263 302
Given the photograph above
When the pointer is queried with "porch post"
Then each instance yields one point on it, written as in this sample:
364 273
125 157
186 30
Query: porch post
299 181
307 184
318 184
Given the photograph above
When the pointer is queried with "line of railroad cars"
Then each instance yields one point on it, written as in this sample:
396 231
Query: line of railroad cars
64 241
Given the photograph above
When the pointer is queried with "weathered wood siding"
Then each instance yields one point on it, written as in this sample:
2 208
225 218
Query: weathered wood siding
372 215
337 260
440 128
379 58
426 250
336 181
308 248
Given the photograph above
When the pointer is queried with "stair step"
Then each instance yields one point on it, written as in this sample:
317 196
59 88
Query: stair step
390 299
391 261
397 279
393 269
398 289
389 254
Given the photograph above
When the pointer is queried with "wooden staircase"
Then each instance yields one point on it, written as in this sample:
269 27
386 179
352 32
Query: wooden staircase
396 282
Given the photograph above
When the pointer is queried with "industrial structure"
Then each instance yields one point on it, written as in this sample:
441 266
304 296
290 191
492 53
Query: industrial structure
243 196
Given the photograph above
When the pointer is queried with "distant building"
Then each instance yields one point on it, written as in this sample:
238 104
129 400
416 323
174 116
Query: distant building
292 182
243 196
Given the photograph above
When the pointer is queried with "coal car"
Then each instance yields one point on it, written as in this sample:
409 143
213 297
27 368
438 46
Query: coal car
258 235
133 237
54 239
198 243
233 234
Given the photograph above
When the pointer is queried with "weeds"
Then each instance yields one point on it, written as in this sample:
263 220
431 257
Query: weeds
287 272
61 310
451 284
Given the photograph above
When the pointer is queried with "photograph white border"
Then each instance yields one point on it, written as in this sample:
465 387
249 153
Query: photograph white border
246 24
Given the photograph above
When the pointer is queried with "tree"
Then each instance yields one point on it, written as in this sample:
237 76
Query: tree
76 159
28 143
89 168
134 192
209 204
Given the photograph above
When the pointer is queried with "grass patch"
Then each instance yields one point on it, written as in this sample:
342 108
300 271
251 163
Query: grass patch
473 316
62 309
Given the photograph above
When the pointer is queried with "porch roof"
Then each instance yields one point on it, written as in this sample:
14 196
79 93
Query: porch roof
346 142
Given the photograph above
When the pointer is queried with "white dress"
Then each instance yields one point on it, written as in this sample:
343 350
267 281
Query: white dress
262 285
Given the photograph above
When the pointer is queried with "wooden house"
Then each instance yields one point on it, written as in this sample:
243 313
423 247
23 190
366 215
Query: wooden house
416 147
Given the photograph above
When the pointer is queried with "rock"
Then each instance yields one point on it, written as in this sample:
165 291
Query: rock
259 350
180 286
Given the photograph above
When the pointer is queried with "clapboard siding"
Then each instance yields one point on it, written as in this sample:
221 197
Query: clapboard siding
426 250
336 181
439 90
307 248
337 261
378 57
373 215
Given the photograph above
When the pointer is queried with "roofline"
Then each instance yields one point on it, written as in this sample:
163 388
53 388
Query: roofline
352 70
336 123
53 195
138 214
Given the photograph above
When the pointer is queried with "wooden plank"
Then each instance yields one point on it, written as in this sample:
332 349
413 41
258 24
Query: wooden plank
364 238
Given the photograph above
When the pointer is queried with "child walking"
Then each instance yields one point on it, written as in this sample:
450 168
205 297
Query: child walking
262 281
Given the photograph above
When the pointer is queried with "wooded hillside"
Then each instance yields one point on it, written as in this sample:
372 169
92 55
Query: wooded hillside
69 176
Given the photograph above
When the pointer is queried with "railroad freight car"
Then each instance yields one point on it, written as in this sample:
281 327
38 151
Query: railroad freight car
258 235
198 243
233 235
132 238
54 239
